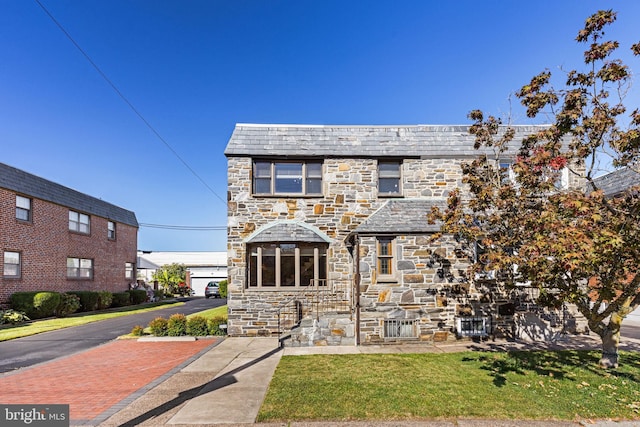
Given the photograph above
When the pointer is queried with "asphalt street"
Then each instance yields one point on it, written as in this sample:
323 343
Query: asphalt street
29 351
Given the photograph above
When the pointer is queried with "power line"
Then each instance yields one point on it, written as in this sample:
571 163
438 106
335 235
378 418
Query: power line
124 98
185 227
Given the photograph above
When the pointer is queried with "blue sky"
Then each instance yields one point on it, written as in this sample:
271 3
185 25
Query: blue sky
194 68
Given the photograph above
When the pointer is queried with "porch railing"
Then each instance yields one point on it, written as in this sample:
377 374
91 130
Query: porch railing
319 298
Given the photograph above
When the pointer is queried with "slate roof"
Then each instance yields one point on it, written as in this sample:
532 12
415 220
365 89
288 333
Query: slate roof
287 231
617 181
39 188
435 141
402 216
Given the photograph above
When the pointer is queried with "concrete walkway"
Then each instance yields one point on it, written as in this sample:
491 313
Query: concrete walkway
227 384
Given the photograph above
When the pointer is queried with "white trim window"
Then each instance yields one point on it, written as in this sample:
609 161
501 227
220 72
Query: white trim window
12 265
287 265
23 208
111 230
290 177
79 268
80 223
389 178
128 270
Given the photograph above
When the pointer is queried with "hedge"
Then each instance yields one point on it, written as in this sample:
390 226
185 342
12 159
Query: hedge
88 299
138 296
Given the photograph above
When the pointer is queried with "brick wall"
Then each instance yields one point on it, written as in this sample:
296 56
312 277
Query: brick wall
46 242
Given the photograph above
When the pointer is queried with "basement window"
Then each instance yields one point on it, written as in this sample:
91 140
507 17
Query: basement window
472 326
400 328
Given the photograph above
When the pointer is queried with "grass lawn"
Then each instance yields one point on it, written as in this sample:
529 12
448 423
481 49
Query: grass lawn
564 385
212 312
18 331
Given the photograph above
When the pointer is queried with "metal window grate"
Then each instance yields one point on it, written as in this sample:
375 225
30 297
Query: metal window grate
472 326
395 328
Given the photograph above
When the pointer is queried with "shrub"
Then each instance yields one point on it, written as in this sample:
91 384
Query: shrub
197 326
105 298
35 305
46 303
177 325
223 288
88 299
158 327
214 325
158 294
69 304
137 331
121 299
12 317
23 302
138 296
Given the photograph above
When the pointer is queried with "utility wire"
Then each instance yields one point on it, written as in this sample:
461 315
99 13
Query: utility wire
124 98
185 227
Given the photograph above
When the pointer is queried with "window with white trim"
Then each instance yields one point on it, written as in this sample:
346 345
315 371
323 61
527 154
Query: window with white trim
12 265
79 268
389 178
111 230
80 223
23 208
291 177
287 265
128 270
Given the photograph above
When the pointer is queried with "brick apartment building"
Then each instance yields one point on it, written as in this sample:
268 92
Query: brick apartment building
58 239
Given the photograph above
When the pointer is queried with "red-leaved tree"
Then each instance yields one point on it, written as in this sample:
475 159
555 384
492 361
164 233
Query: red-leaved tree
572 242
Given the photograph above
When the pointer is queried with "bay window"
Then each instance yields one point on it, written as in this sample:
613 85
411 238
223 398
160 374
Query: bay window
287 265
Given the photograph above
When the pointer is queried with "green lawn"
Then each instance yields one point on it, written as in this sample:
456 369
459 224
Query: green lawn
212 312
39 326
564 385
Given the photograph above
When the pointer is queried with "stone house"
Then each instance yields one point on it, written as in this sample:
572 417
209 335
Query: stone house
329 243
53 238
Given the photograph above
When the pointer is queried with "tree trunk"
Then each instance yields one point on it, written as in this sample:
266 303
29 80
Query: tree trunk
610 341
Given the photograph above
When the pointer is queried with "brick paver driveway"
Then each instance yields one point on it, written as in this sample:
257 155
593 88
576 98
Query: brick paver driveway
94 381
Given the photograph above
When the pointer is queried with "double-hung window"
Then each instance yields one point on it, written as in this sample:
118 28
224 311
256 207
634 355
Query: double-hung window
287 177
128 270
111 230
23 208
12 265
385 258
389 178
79 268
79 222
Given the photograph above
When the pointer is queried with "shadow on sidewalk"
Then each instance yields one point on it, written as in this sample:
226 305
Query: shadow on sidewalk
222 381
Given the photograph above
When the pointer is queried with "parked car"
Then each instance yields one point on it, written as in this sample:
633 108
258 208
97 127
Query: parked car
212 290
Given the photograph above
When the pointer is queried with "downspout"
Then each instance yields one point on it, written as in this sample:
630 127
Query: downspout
356 284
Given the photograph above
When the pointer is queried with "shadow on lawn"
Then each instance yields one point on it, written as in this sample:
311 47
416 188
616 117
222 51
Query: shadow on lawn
559 364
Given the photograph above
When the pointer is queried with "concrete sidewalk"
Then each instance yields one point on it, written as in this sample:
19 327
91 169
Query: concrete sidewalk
227 385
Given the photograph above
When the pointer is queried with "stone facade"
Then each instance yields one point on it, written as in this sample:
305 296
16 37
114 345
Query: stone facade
429 289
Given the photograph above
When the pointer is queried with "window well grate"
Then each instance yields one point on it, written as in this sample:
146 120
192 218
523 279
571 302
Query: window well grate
395 328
